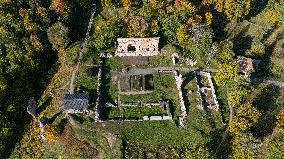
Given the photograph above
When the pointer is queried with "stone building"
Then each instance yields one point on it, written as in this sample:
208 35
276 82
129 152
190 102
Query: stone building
137 47
76 103
245 65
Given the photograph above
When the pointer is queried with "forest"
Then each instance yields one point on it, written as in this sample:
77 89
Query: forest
39 43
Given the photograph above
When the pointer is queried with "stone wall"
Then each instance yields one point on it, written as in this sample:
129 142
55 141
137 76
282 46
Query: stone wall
139 47
201 90
179 81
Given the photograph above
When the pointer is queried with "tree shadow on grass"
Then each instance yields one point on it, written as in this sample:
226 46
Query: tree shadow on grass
256 8
219 23
219 145
189 77
266 104
62 124
52 119
242 42
43 106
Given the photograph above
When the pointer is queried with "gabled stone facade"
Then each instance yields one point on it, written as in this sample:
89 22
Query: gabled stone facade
137 47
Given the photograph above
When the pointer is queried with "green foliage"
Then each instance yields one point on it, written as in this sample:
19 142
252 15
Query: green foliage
276 146
245 146
58 36
234 10
160 61
169 26
132 112
115 63
87 78
278 6
106 32
245 117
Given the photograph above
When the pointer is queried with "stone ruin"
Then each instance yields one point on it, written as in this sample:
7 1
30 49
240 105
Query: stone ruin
206 91
245 65
137 47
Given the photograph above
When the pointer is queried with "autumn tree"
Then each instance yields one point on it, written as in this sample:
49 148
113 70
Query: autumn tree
62 7
137 27
280 120
58 36
51 132
233 9
245 116
278 7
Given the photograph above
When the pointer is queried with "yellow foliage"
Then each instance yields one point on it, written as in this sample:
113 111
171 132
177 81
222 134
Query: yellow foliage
236 95
271 16
257 50
280 120
30 146
245 117
209 18
106 3
61 7
126 4
22 12
29 25
182 35
219 5
155 27
226 72
183 5
36 43
51 132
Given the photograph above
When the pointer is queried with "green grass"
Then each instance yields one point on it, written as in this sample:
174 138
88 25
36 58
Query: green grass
115 63
164 89
131 112
87 78
161 138
96 140
160 61
276 146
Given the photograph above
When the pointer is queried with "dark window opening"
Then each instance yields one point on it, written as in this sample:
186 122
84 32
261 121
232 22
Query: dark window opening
131 48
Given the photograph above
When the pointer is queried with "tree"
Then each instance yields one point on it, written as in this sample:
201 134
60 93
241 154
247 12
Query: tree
245 116
62 7
280 120
245 146
233 9
276 147
51 132
58 36
106 33
137 27
169 26
278 6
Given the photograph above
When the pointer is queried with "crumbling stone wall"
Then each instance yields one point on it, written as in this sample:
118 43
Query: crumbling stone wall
137 47
201 90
